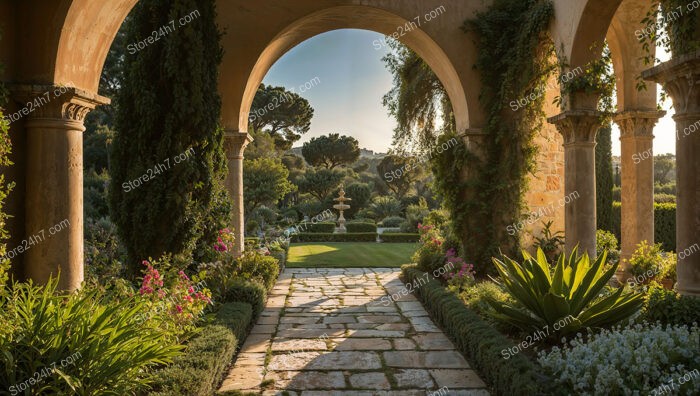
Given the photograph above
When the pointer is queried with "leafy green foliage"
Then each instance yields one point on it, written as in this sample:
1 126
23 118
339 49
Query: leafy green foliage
669 307
607 242
266 181
320 183
110 348
430 255
325 227
5 188
360 193
415 214
385 206
550 242
392 221
664 223
96 148
258 267
331 150
480 342
513 61
663 165
572 290
168 104
604 178
328 237
282 114
95 194
253 293
200 369
646 261
400 173
669 25
354 226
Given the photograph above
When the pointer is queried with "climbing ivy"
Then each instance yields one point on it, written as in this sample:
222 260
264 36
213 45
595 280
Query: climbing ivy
484 190
671 24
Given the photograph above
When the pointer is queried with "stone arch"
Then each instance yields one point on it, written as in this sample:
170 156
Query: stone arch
238 95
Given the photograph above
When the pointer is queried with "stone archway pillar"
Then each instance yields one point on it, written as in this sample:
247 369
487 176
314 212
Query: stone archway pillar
681 79
579 129
54 128
637 138
235 143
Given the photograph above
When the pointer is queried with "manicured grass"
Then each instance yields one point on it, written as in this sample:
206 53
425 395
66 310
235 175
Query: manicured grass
349 254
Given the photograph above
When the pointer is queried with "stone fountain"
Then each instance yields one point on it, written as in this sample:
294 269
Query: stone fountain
341 206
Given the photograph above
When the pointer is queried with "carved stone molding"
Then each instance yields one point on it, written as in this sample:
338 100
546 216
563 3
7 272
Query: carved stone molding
637 123
680 77
235 143
55 102
578 127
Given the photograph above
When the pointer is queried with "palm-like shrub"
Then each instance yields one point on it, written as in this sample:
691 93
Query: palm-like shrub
385 206
571 296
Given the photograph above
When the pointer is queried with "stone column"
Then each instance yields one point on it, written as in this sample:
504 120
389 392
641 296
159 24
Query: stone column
579 128
235 143
637 138
53 243
681 79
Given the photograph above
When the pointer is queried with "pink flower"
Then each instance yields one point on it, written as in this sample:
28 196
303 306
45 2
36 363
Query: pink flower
190 290
179 309
145 262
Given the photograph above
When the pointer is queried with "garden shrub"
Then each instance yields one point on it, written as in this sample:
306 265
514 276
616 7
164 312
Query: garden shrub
415 214
392 221
625 361
664 198
606 241
476 339
200 369
243 290
104 256
429 256
325 227
256 266
669 188
106 349
360 227
669 307
393 237
327 237
646 261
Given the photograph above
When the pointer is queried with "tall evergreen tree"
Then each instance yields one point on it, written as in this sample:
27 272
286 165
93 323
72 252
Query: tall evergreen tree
168 159
604 178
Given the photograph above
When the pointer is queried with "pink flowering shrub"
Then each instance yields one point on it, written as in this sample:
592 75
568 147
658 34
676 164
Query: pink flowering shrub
173 298
429 255
225 241
460 274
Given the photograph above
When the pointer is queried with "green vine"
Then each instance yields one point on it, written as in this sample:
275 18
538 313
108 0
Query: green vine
596 77
672 25
515 61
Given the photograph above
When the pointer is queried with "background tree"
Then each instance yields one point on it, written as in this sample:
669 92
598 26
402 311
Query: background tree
266 181
400 173
281 113
604 179
262 146
167 105
320 183
96 147
664 165
360 193
331 151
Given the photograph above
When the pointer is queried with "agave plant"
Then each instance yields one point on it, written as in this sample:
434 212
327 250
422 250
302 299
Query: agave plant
570 298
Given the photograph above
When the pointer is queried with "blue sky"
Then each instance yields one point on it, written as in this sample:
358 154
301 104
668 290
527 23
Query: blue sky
347 96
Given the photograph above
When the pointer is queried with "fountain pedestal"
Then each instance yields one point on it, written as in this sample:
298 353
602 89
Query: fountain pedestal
341 206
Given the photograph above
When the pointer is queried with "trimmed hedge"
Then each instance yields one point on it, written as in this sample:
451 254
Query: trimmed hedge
664 224
390 237
361 227
326 227
200 369
252 293
476 339
328 237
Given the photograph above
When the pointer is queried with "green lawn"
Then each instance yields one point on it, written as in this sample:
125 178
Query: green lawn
349 254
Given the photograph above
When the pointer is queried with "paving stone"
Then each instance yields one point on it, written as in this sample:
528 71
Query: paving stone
244 377
268 320
376 333
250 359
310 333
433 359
339 319
405 306
394 326
256 343
302 380
413 378
346 360
457 379
379 318
299 319
298 345
403 344
263 329
374 381
362 344
291 361
433 341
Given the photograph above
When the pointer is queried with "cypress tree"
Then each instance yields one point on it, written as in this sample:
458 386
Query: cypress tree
168 158
604 178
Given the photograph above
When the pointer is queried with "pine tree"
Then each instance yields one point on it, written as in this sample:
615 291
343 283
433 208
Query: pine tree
168 159
604 178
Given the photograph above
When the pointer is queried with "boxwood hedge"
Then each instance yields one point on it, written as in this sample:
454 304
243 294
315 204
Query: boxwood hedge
329 237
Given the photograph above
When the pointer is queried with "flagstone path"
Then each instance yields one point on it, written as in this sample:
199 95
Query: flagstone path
335 331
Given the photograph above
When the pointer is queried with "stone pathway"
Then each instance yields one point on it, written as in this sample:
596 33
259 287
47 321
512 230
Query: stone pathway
335 331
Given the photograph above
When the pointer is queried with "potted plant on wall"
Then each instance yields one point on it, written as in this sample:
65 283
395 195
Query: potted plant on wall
668 277
646 263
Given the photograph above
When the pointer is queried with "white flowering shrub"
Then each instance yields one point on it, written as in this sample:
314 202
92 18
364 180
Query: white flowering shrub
636 360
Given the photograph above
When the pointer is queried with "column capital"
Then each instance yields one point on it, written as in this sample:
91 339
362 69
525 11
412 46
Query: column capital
578 127
55 102
680 77
637 123
235 143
